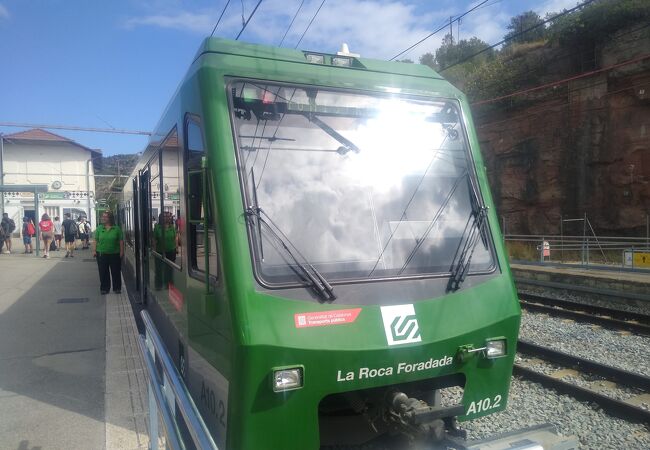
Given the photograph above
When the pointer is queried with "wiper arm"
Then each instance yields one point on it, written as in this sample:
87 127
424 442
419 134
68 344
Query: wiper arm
316 280
460 269
347 144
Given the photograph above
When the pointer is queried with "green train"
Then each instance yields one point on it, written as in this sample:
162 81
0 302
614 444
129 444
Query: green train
314 237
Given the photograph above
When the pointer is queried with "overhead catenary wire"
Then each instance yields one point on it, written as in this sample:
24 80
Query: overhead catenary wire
73 128
219 19
291 24
559 105
248 20
309 25
543 63
502 41
563 81
443 27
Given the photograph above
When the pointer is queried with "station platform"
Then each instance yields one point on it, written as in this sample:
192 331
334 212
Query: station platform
635 285
71 373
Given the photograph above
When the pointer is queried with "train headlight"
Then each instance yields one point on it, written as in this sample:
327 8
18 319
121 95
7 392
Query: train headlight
287 379
315 59
496 348
341 61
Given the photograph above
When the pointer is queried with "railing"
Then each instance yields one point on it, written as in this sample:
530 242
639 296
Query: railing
167 391
584 250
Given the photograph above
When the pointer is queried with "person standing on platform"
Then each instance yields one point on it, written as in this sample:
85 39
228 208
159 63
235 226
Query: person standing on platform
84 233
47 233
28 232
8 226
2 237
58 232
108 248
70 234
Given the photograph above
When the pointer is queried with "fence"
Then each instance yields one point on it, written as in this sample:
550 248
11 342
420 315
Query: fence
585 250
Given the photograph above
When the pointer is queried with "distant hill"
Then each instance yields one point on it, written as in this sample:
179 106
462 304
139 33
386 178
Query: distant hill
115 165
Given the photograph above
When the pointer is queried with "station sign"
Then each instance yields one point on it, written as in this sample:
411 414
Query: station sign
636 258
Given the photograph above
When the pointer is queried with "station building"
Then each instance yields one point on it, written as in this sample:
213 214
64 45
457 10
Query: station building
39 157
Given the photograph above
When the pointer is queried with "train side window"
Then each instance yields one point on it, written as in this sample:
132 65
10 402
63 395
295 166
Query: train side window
170 226
202 242
154 200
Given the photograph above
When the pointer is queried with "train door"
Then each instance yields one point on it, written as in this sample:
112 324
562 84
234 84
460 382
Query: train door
136 233
143 200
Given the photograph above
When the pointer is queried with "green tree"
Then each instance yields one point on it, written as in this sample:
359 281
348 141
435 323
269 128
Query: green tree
451 52
522 22
428 59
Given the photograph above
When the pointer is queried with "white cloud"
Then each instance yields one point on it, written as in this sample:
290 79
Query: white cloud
4 13
374 28
185 21
486 24
555 6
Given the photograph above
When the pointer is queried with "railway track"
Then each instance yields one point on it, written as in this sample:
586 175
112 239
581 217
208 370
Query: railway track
616 407
607 317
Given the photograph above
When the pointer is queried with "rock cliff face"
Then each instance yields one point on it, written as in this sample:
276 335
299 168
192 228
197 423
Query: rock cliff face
576 147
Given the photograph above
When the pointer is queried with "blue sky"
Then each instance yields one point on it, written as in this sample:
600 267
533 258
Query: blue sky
116 63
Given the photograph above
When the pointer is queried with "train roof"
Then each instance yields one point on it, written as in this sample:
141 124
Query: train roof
230 47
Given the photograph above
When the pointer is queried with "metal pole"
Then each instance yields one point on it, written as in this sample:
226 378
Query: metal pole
586 239
647 232
38 230
561 239
2 171
584 233
88 188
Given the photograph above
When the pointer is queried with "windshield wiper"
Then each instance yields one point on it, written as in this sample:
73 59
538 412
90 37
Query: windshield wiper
307 270
463 256
347 144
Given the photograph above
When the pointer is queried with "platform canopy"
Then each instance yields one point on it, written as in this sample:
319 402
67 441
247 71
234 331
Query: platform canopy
35 188
24 188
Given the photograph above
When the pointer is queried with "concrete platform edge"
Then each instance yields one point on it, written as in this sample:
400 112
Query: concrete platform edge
126 381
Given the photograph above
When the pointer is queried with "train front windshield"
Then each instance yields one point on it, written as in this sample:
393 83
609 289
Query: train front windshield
360 186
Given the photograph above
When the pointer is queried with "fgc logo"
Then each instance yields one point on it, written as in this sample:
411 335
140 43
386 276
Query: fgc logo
400 324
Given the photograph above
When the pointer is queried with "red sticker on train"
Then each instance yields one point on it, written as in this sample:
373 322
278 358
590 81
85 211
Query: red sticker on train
326 318
175 297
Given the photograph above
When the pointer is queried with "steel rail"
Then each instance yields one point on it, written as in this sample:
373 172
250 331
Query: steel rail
610 405
588 289
624 377
585 317
618 314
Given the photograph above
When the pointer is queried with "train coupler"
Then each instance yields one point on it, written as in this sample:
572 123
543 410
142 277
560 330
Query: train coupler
417 420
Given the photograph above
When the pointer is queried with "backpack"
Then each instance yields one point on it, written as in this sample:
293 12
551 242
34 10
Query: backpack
12 226
30 229
72 229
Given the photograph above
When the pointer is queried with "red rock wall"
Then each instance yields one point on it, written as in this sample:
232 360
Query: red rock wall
579 147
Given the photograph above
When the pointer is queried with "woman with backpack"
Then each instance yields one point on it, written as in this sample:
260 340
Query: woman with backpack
47 233
28 231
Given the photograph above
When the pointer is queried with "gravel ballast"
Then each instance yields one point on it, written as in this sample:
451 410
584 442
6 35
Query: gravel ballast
624 351
584 380
530 404
639 307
